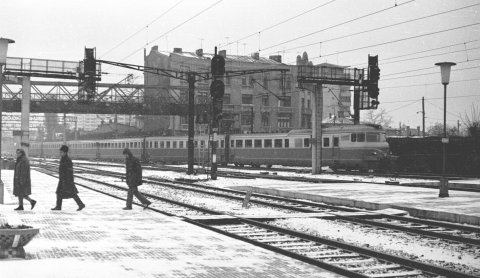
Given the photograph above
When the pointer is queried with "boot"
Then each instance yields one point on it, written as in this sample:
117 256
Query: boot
82 206
19 208
33 203
56 208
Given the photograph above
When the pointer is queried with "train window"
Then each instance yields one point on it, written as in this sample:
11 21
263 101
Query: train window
267 143
155 144
360 137
174 144
306 142
287 143
353 136
162 144
257 143
326 141
167 145
373 137
238 143
232 143
345 137
336 141
248 143
180 144
298 143
277 143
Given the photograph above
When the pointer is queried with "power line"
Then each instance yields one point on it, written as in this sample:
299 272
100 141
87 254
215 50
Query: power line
408 76
466 61
399 40
134 34
418 52
174 28
379 28
427 84
339 24
432 98
280 23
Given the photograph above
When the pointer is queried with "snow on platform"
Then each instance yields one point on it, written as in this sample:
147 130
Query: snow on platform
105 241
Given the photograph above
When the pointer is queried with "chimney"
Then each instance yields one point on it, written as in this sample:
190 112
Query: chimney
177 50
223 53
276 58
155 48
199 52
256 56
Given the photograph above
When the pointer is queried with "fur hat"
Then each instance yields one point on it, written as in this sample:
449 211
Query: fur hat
64 148
127 151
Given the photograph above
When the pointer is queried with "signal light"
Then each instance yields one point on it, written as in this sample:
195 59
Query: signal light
218 65
217 89
89 68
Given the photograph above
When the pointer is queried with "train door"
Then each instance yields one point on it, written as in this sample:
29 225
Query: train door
335 148
97 150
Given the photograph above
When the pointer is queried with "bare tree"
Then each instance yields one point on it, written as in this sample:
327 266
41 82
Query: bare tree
378 117
437 130
472 121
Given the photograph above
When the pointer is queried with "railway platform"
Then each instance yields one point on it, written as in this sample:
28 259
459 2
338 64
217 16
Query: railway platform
417 201
105 241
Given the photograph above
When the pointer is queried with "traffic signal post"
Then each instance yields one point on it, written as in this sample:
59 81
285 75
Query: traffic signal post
217 90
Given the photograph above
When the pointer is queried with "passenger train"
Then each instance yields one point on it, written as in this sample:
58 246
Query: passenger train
343 147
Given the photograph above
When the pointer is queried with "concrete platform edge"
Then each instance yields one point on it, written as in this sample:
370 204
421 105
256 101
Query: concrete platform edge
420 213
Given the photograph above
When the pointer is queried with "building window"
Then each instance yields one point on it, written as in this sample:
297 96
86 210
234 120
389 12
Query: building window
309 104
228 81
284 119
226 99
246 118
286 102
265 100
266 119
244 81
247 99
265 82
288 83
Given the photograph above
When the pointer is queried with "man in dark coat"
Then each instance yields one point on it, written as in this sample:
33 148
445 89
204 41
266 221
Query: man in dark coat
66 187
134 179
22 186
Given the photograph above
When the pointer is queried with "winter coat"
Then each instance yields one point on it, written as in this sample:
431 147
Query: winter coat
134 171
22 185
66 187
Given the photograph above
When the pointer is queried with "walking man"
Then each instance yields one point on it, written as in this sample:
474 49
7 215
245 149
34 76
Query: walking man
134 179
66 187
22 186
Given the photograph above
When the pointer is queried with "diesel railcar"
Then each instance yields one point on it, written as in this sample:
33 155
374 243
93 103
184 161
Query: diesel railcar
343 147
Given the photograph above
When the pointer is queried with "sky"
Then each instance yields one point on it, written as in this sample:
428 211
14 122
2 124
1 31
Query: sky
409 37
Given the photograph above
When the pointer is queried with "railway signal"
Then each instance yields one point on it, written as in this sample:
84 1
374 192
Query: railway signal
88 82
217 90
373 77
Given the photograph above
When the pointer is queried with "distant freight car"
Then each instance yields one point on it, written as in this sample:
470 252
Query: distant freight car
425 154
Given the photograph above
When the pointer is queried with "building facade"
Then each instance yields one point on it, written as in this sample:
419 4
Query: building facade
264 102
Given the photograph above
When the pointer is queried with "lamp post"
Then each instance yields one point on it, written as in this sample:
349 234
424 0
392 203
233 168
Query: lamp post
3 61
445 72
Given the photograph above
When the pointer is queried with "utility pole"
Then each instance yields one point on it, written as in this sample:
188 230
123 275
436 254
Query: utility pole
423 116
217 90
191 114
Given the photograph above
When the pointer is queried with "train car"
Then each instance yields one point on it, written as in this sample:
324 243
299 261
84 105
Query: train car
343 147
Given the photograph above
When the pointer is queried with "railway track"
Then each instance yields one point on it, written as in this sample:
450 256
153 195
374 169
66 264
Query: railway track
341 258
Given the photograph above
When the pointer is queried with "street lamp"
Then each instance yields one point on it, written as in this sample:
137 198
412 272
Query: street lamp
3 61
445 72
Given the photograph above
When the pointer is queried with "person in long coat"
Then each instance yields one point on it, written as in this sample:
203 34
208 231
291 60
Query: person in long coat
66 188
133 179
22 185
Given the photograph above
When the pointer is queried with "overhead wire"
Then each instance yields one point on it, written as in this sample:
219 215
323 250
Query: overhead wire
174 28
339 24
395 41
280 23
379 28
141 29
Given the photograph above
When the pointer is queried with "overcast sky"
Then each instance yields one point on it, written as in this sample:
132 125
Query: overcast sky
334 31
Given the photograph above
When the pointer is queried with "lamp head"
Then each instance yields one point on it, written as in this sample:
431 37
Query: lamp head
445 71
